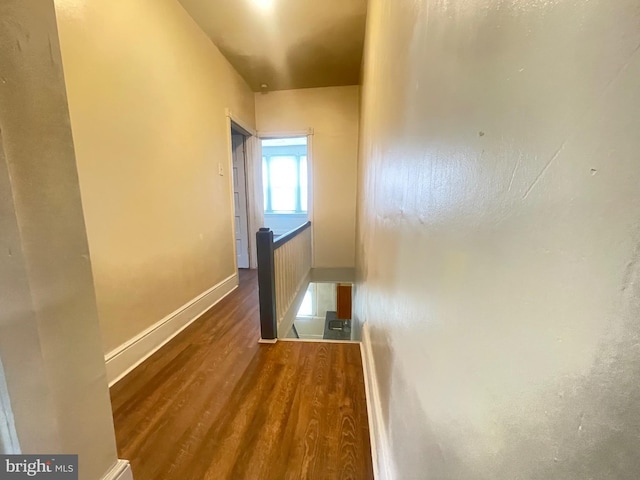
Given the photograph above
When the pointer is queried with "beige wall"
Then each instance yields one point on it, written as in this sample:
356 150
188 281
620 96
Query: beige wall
333 114
499 243
327 299
147 95
50 344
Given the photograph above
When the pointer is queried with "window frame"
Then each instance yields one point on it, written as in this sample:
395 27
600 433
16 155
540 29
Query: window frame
298 152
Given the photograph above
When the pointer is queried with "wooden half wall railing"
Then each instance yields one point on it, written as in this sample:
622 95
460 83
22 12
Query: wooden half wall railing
283 270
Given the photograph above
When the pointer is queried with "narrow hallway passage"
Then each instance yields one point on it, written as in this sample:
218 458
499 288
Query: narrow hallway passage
215 404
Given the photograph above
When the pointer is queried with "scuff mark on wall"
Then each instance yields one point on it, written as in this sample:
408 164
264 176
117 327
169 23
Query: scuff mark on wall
51 54
515 170
588 112
520 359
632 270
544 170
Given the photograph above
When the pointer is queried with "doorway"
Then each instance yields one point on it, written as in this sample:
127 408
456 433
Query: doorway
241 215
285 180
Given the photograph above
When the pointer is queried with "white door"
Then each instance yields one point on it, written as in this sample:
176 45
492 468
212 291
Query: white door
240 201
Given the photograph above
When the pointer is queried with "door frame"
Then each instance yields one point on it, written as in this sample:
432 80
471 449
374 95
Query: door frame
241 204
310 195
253 178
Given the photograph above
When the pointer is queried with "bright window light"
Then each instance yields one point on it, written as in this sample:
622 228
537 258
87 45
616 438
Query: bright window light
264 4
284 175
307 307
284 142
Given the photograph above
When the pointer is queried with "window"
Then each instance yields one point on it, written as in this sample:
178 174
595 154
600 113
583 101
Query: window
308 305
284 175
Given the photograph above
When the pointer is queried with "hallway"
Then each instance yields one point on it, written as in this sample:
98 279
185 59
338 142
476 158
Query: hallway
215 404
471 168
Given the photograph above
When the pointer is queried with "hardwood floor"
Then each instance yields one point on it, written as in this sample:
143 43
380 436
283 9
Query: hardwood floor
215 404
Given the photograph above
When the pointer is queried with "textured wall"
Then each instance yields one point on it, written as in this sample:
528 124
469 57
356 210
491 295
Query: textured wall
147 95
333 114
499 236
49 334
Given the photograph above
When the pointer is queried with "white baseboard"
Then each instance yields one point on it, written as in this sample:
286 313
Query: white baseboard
380 452
132 353
120 471
315 340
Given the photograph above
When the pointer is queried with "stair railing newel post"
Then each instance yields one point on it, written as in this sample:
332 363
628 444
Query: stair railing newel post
266 284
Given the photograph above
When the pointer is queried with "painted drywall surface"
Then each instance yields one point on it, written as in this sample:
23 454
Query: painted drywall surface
32 406
49 332
499 236
147 94
333 113
326 298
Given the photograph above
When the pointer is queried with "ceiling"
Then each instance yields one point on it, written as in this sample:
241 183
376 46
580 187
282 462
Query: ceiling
287 44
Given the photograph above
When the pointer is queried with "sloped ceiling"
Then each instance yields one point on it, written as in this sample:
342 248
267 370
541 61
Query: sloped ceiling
287 44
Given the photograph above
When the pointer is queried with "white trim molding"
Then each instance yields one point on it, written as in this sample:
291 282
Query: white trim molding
248 130
254 195
253 177
318 339
120 471
380 451
311 200
286 133
132 353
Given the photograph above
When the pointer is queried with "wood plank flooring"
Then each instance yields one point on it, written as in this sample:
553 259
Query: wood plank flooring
215 404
